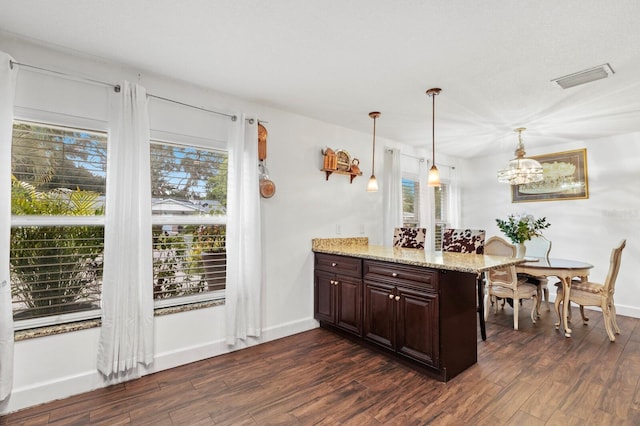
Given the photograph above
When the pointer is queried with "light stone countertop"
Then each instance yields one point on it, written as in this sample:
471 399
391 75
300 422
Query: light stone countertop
461 262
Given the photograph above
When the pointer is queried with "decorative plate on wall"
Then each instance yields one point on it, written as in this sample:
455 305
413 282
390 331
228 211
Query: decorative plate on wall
344 160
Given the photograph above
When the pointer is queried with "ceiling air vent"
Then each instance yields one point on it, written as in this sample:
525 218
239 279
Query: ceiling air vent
584 76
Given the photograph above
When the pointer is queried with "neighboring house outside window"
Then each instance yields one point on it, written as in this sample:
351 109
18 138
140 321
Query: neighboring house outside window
189 196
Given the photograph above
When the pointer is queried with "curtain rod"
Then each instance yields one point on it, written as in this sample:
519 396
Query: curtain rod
116 87
421 159
406 155
232 117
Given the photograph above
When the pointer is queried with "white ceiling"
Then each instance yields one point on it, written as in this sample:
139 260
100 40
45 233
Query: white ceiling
336 60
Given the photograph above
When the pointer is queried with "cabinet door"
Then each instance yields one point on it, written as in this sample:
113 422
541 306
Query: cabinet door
379 313
349 304
417 325
324 297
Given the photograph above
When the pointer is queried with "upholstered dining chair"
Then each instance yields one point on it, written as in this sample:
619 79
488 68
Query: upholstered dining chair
468 241
505 283
587 293
409 237
539 246
463 240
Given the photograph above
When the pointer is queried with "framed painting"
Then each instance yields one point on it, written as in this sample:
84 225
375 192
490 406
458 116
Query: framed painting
565 178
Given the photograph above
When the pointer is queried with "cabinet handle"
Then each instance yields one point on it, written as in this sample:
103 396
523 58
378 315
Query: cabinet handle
397 298
334 264
391 296
395 274
331 282
336 282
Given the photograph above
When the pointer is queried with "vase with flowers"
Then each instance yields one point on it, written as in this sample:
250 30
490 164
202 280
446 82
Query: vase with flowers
522 227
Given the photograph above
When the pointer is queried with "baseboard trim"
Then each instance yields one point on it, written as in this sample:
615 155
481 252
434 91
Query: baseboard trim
41 393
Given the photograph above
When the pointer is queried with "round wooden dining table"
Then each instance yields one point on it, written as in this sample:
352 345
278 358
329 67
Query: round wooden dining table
565 270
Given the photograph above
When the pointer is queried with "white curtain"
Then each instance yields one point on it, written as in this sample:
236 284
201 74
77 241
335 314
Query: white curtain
427 209
7 92
391 195
126 337
243 296
454 198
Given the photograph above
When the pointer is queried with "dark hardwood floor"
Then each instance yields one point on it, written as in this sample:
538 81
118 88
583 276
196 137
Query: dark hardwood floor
534 376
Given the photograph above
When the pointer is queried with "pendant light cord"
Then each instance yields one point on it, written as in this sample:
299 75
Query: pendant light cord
433 93
374 115
373 160
433 128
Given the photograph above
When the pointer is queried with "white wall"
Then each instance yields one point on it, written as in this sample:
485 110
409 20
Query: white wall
305 206
583 230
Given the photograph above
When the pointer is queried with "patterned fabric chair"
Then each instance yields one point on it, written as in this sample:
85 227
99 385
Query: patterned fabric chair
409 237
463 240
468 241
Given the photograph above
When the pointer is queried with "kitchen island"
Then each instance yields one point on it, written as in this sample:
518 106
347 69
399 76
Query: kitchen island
415 305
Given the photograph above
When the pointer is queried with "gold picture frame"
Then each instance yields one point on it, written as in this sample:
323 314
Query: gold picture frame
565 178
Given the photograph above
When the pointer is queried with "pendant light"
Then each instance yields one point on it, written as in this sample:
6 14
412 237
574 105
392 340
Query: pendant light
372 186
434 176
521 170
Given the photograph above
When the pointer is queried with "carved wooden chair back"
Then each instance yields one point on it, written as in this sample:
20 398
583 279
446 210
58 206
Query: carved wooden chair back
538 247
506 276
587 293
505 283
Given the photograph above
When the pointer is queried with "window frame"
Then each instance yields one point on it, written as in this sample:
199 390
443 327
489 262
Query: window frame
445 221
417 205
52 119
175 139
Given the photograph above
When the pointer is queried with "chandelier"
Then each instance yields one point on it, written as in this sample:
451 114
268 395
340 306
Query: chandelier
521 170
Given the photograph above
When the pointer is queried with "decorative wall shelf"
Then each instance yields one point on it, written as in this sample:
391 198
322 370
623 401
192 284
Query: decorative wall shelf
340 172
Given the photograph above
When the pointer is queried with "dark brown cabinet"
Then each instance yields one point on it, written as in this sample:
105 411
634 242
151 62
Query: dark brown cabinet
401 310
421 315
338 292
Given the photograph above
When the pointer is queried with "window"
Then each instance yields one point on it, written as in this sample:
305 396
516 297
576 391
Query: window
189 200
442 219
58 188
410 201
411 207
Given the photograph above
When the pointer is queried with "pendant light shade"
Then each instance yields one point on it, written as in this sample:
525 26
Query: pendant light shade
434 176
372 186
521 170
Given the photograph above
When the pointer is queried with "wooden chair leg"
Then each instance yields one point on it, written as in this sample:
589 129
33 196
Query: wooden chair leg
516 306
534 314
546 298
537 304
584 317
557 304
607 320
614 322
